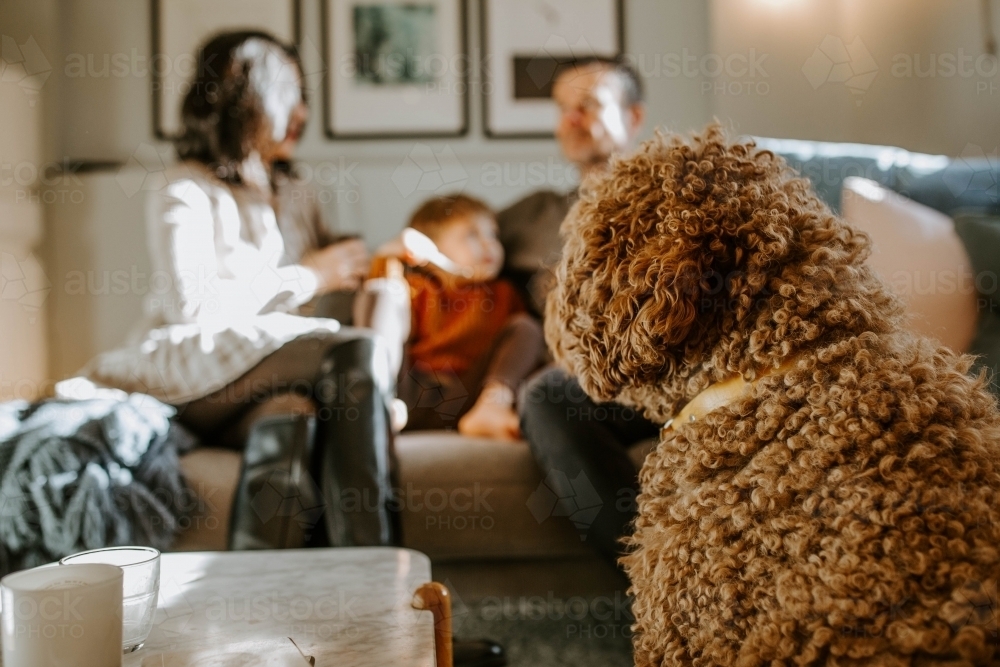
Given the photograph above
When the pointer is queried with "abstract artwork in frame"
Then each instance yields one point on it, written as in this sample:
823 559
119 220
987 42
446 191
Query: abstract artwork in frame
395 69
181 27
525 43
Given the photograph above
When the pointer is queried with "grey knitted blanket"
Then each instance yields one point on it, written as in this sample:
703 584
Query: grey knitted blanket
78 475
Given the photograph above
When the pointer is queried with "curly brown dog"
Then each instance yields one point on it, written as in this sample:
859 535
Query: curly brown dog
843 508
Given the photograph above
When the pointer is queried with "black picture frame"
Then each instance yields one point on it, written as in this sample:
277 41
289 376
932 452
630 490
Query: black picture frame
328 129
485 92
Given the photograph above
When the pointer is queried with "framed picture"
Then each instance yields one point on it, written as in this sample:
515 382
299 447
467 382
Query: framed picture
395 68
180 27
525 42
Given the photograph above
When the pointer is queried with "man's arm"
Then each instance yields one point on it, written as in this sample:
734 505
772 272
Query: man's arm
529 232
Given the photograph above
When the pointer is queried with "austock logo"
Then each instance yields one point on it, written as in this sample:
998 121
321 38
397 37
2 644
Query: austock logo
558 495
25 65
143 172
428 172
974 170
287 496
24 281
441 390
833 61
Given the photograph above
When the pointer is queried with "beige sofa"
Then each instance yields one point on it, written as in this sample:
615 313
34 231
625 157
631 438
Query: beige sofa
465 503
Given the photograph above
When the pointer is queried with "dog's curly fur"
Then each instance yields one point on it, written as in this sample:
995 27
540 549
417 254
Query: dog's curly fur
845 510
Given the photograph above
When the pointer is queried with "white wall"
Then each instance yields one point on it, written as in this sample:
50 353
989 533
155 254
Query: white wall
955 106
110 118
23 282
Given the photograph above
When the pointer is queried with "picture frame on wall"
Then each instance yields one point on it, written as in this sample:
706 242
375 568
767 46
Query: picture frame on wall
181 27
395 69
525 42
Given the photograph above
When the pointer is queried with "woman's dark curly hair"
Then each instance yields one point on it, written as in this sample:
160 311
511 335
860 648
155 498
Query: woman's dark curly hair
237 94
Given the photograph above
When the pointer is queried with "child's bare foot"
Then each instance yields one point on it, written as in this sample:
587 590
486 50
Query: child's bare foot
492 416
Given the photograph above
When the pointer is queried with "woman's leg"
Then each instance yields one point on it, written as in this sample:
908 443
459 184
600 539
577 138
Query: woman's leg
278 502
294 369
284 404
354 396
346 377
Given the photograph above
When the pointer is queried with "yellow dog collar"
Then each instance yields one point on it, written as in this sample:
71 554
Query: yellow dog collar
718 395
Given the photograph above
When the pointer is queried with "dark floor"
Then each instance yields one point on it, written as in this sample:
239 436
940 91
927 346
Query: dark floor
542 633
545 614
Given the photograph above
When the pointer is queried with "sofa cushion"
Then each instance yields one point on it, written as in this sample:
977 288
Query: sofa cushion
918 253
468 498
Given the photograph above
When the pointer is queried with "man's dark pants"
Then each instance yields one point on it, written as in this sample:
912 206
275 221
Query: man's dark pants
582 449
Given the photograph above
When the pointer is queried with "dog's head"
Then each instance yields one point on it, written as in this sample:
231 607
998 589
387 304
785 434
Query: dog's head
696 259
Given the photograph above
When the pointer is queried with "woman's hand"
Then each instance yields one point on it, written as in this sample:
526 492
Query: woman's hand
394 248
340 266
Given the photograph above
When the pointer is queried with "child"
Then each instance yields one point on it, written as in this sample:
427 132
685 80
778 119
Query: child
470 341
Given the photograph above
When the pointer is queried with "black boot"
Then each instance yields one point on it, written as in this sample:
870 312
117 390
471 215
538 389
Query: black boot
354 439
277 505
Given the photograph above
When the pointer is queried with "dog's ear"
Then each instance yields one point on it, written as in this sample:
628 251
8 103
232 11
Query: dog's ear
663 256
629 295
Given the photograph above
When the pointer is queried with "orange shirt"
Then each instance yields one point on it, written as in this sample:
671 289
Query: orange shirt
454 327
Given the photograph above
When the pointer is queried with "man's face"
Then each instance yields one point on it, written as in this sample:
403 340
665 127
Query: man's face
593 123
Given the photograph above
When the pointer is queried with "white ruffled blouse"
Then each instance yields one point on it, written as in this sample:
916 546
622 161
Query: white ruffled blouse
224 289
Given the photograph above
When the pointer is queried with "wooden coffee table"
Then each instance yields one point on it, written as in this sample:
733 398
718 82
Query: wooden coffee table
291 608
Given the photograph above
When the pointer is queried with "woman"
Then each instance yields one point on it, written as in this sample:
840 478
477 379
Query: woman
222 341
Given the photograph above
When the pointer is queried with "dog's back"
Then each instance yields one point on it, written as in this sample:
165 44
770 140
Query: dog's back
845 513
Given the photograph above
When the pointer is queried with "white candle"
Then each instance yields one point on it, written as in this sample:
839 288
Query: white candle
69 615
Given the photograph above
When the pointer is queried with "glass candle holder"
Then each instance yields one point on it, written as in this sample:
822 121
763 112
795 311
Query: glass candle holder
141 587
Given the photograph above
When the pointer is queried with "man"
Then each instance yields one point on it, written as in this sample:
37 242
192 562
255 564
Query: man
577 443
600 113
